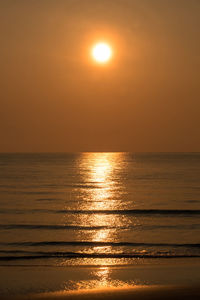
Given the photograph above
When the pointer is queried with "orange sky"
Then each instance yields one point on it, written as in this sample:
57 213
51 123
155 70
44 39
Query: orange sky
55 98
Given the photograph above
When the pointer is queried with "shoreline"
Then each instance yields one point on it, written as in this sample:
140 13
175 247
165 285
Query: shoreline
53 282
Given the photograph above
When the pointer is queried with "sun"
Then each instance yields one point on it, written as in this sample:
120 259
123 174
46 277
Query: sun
102 53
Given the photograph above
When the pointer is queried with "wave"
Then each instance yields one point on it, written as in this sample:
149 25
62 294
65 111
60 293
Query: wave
68 255
94 244
56 227
137 212
48 199
170 212
87 228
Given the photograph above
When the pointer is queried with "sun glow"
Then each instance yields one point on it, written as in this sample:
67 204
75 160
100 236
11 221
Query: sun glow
101 53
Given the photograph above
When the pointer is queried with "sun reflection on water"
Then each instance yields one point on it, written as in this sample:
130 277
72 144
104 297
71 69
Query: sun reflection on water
101 171
101 168
100 192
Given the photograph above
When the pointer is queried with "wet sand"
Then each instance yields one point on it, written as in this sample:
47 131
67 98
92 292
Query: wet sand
137 293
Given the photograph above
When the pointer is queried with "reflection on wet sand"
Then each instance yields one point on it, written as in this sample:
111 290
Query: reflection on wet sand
103 280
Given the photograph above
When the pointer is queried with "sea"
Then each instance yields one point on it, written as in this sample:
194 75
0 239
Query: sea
88 220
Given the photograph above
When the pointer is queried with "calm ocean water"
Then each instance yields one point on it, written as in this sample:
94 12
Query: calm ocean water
98 208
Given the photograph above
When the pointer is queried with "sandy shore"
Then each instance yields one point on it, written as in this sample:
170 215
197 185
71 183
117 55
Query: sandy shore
137 293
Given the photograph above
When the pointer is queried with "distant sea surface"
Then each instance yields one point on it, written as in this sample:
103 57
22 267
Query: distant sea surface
98 209
78 208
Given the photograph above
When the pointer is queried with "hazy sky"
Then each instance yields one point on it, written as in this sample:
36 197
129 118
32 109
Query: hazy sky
53 97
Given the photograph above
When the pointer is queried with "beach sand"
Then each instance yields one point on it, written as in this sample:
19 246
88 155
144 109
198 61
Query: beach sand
137 293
